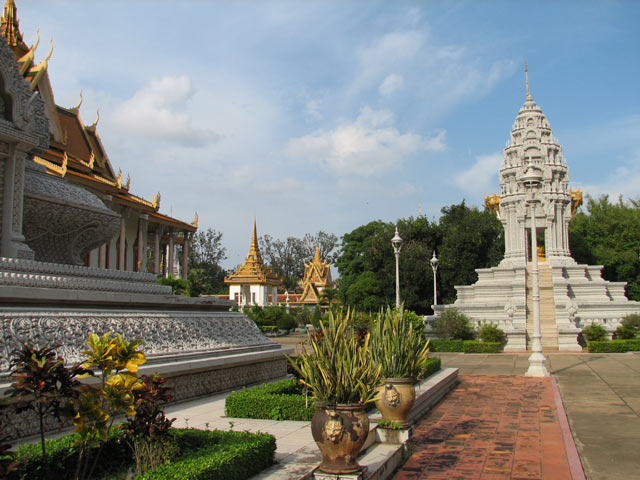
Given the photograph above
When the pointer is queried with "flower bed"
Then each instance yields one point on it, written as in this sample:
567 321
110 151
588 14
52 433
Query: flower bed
196 454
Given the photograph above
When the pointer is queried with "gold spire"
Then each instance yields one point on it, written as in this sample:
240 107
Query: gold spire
254 248
195 220
156 200
526 74
26 61
76 109
9 25
128 184
119 180
316 257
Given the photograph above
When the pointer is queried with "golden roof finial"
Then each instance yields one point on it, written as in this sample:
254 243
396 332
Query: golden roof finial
95 124
128 184
156 200
316 257
119 180
254 240
38 71
92 160
195 220
526 74
9 25
26 61
76 109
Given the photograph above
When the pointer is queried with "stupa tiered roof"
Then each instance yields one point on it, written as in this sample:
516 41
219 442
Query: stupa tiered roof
76 151
253 271
317 276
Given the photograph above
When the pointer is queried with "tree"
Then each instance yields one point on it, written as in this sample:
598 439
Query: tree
609 234
464 239
206 276
288 257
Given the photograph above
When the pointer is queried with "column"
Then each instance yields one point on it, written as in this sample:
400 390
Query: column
101 255
13 243
156 249
142 250
185 254
121 243
169 268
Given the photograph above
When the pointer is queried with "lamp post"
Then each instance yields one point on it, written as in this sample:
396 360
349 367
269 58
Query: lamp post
532 179
396 241
434 267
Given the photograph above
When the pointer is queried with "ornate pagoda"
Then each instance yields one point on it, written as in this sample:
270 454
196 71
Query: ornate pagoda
317 277
146 239
253 283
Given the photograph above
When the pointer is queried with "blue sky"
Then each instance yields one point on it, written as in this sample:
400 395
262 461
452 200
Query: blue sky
327 115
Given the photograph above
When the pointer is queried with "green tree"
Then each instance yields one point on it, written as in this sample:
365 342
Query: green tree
287 257
470 239
206 251
609 234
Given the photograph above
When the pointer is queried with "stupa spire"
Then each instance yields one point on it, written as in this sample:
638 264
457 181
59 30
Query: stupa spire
254 239
526 74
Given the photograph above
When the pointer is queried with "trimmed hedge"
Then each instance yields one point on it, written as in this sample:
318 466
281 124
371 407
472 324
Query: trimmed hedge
433 365
200 454
63 458
466 346
440 345
615 346
471 346
268 328
282 400
216 455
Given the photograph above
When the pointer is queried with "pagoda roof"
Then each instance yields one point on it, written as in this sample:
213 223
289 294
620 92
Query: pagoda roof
253 271
317 276
76 151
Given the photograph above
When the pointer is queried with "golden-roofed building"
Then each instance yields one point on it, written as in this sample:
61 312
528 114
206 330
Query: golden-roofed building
253 283
317 277
147 239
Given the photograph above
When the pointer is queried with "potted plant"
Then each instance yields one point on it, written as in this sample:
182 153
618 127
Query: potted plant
400 349
343 379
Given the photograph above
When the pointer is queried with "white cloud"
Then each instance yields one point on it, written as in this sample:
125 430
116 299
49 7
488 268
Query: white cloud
288 184
368 146
159 111
390 84
312 109
481 177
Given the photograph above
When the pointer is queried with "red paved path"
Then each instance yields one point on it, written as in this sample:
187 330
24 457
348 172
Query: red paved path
491 427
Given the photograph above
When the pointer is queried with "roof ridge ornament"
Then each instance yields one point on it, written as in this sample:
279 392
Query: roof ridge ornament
76 109
11 24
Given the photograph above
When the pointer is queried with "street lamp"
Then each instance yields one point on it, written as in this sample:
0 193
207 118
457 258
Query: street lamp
532 178
396 241
434 267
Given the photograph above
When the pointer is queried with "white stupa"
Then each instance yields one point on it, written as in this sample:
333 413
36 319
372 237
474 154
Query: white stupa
572 296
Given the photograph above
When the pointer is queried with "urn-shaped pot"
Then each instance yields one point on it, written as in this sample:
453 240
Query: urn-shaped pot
396 397
340 432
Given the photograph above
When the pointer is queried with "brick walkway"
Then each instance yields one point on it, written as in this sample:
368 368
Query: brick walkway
491 427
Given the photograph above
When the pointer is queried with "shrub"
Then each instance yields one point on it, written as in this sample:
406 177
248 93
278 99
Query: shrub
301 315
453 325
489 332
439 345
284 400
433 365
179 286
595 333
630 327
472 346
268 328
615 346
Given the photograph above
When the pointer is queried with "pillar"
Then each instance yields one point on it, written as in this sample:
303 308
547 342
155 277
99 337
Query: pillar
156 250
121 243
169 268
142 236
101 255
185 254
13 242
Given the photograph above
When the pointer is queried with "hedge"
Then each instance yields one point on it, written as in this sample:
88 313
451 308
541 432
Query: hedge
217 455
433 365
282 400
471 346
615 346
466 346
200 454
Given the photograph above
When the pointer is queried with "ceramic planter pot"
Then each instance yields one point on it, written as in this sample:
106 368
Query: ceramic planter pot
340 432
396 397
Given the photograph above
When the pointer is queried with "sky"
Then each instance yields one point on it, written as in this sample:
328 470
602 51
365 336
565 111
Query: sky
326 115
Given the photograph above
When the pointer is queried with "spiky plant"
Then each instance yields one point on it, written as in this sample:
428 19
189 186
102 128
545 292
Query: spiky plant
338 369
397 346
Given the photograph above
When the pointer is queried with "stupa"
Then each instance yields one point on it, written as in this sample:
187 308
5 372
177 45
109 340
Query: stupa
534 182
